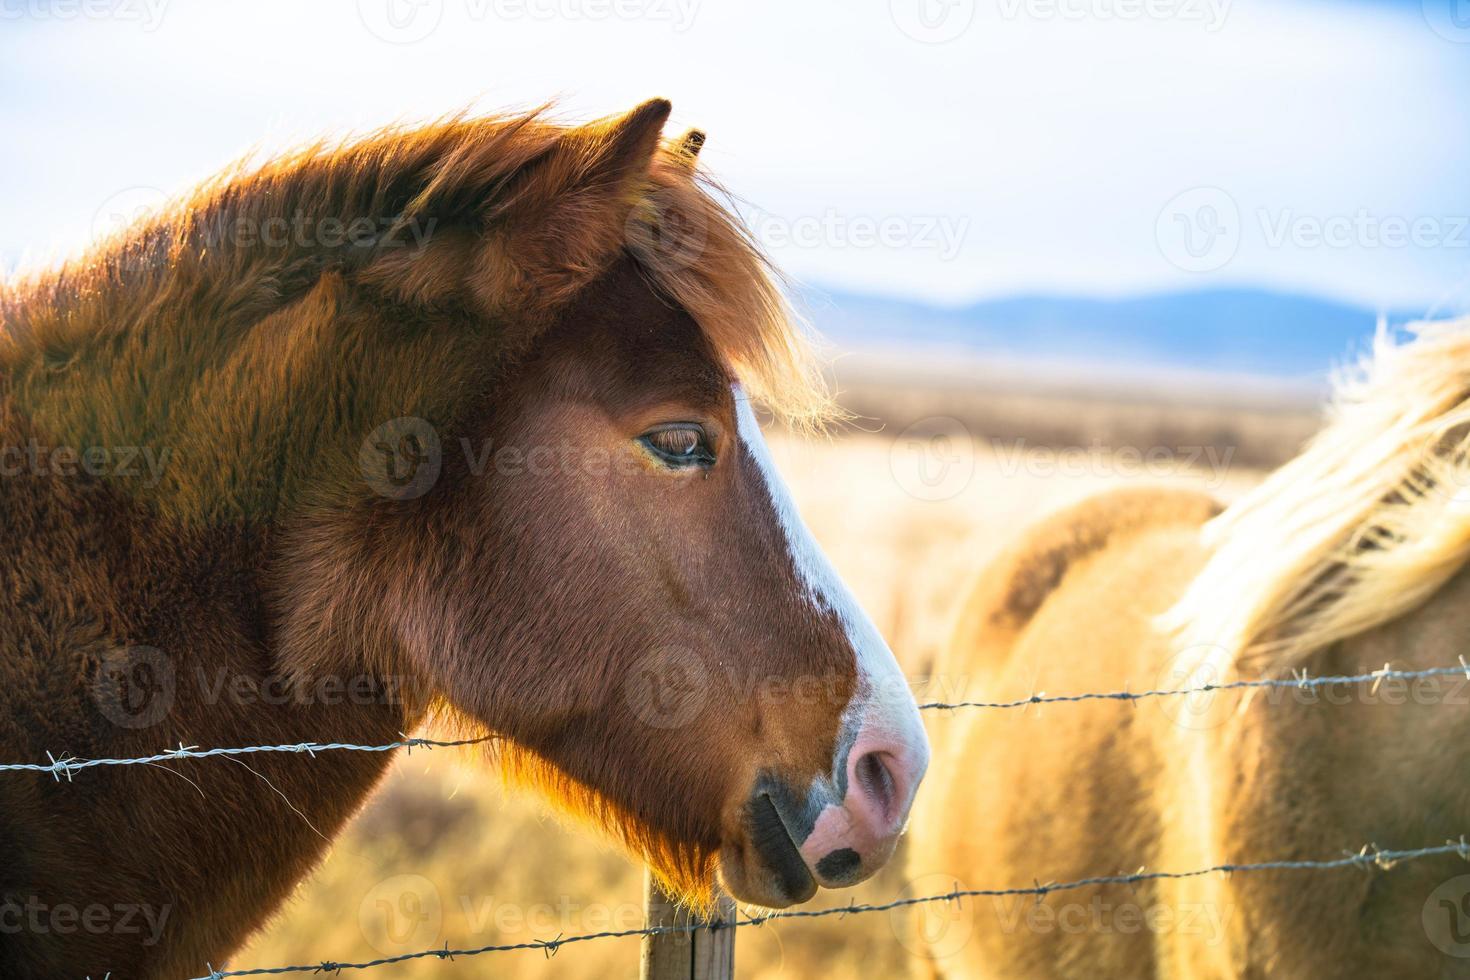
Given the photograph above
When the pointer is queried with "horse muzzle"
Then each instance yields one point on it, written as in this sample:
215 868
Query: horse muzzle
833 834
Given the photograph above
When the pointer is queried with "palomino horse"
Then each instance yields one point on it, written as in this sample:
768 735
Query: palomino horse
1349 557
442 417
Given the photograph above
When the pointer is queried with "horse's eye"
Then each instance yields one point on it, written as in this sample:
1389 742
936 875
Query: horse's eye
679 444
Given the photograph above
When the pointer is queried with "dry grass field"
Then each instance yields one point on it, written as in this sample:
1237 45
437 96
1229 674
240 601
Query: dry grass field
908 510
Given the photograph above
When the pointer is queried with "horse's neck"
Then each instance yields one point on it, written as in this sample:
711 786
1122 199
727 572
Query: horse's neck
231 421
152 479
1349 765
166 629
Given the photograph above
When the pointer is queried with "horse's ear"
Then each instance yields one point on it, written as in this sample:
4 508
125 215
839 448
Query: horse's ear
622 147
527 239
690 144
570 218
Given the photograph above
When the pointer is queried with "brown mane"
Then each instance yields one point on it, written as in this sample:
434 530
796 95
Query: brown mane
487 223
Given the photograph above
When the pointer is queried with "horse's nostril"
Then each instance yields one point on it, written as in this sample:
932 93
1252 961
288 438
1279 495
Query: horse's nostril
840 866
877 782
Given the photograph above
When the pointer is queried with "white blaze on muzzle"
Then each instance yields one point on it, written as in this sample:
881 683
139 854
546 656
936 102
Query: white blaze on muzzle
880 723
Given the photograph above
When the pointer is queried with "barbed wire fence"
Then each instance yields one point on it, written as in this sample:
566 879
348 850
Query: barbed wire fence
1368 856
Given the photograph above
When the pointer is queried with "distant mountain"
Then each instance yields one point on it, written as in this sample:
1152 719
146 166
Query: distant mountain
1242 331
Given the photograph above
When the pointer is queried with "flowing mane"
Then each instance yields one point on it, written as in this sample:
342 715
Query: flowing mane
469 233
1365 525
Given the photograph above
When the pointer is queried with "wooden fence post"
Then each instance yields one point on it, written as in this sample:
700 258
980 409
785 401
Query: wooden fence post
697 954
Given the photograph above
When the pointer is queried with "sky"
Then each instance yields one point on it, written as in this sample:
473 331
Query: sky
939 150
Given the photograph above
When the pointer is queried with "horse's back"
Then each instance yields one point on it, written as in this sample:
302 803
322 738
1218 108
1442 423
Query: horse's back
1061 792
1014 587
1046 792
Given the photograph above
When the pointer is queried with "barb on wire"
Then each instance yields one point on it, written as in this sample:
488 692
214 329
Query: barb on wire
1301 681
1366 858
67 766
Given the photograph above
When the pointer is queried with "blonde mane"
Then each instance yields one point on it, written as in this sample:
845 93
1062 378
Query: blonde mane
1364 526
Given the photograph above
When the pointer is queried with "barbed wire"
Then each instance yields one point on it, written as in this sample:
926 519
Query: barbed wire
1366 857
66 765
1369 856
1299 680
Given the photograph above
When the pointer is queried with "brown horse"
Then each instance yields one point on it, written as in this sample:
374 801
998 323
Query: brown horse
1352 556
456 416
